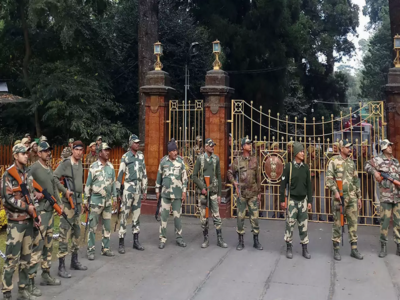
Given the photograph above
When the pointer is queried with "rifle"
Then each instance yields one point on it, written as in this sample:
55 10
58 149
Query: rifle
386 176
51 200
119 207
339 183
24 190
70 199
87 218
207 181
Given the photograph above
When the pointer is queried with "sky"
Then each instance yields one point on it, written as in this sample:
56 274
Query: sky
355 61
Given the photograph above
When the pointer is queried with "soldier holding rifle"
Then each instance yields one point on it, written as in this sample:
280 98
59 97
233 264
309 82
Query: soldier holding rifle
386 170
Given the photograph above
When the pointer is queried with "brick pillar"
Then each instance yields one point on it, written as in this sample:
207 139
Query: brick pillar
217 96
156 90
393 109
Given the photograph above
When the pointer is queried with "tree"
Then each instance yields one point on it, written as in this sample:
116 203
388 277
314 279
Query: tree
394 12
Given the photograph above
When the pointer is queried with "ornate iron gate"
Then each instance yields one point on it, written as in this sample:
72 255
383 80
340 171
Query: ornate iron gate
187 131
273 136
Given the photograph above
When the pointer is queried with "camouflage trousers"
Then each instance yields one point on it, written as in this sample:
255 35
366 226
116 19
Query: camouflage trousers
387 210
42 249
176 210
297 213
214 208
96 212
130 202
67 232
18 253
252 206
351 213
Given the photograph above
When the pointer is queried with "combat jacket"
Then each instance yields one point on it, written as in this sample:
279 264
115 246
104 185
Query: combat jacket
100 184
208 166
388 191
346 170
14 202
134 168
90 159
246 172
172 178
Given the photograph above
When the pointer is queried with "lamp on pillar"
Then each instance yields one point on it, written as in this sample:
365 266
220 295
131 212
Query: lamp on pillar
397 49
217 51
158 51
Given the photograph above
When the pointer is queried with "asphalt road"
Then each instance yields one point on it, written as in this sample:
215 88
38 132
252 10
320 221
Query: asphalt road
215 273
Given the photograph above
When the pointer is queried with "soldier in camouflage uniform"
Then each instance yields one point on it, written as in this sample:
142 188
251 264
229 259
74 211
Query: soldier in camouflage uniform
296 177
33 154
198 148
42 139
389 193
99 140
19 228
342 167
67 151
43 249
173 181
245 175
100 188
207 164
135 188
92 156
71 170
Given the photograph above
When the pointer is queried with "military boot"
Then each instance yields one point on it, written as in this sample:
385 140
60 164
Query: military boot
90 256
75 264
136 244
354 252
23 294
121 247
305 251
206 241
383 252
32 289
161 245
48 280
240 245
336 254
220 241
107 252
61 268
7 295
181 243
398 250
257 244
289 251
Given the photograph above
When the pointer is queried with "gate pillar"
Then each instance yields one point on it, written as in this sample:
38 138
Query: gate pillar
393 109
157 91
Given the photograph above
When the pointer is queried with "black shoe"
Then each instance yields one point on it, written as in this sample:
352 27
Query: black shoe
398 250
354 252
121 247
220 241
305 252
75 264
136 244
383 252
240 245
257 244
336 254
7 295
376 221
206 242
61 268
289 251
161 245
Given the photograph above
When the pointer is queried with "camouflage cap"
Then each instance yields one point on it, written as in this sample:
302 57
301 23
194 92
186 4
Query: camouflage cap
92 144
99 138
24 141
19 148
199 138
246 141
27 134
42 138
345 144
385 143
209 142
17 142
67 152
43 146
71 140
32 144
104 146
273 145
134 139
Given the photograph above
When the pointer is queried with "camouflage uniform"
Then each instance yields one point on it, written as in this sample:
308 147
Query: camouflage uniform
90 159
100 187
345 170
67 152
389 194
135 184
173 181
19 229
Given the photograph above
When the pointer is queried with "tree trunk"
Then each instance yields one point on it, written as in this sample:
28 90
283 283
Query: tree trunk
394 13
25 62
147 36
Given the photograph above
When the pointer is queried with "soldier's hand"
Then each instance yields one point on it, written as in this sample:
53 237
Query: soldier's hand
337 196
378 177
31 209
37 224
114 206
204 192
183 197
144 197
283 205
219 200
237 189
359 204
38 196
68 194
309 206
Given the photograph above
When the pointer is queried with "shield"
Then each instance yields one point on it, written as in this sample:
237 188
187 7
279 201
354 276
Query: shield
273 167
